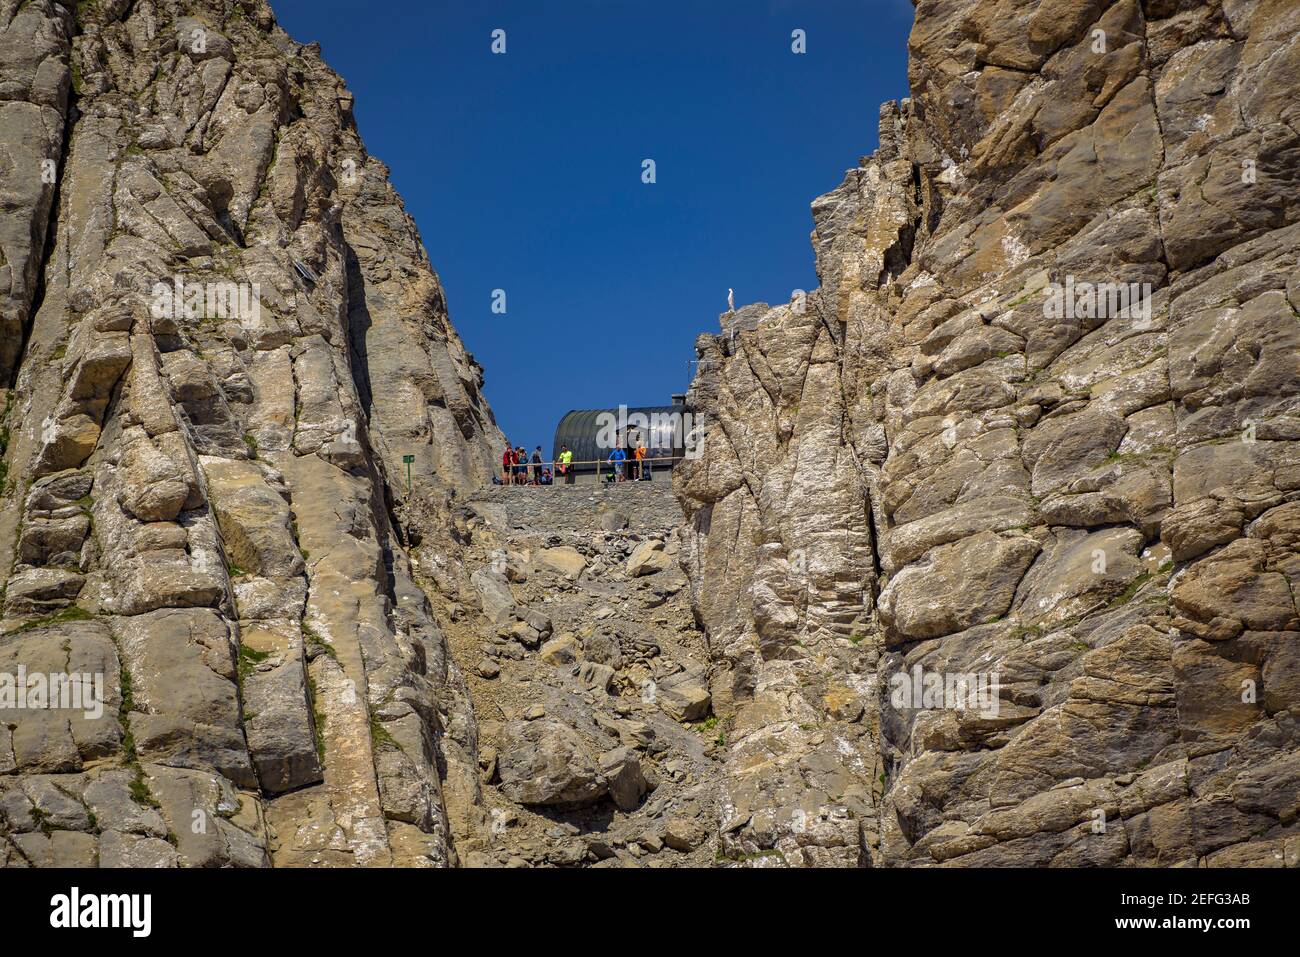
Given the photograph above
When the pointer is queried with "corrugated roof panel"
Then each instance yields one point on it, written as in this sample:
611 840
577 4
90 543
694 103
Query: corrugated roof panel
579 428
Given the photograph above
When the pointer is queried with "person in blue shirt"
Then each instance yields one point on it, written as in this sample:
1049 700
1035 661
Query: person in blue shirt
616 460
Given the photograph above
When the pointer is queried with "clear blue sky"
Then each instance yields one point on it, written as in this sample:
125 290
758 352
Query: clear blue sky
524 170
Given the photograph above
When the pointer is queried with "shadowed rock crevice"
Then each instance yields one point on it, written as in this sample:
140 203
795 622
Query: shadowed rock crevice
358 325
36 38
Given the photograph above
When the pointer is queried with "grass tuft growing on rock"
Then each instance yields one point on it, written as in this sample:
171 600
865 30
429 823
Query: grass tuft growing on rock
139 786
316 645
1126 596
379 736
71 613
42 820
140 792
249 659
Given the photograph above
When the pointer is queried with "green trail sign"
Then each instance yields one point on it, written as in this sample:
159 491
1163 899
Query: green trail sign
408 459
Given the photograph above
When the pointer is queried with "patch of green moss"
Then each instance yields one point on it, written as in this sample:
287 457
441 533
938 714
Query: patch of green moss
1126 596
249 659
379 736
293 527
1025 296
139 787
1029 632
71 613
316 644
708 724
140 792
129 755
128 695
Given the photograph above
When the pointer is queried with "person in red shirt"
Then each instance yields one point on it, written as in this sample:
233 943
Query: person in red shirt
507 465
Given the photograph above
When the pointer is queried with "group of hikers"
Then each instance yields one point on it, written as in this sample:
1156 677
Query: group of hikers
636 465
518 469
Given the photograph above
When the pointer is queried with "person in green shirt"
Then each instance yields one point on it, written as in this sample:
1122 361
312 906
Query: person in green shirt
566 464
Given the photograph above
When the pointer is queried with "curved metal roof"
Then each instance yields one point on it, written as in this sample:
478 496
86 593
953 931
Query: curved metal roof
579 428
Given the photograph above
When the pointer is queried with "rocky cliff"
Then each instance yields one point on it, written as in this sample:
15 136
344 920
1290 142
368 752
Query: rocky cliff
968 456
222 336
990 557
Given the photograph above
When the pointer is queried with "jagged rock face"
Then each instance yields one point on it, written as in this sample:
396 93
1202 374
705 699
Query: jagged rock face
200 491
925 465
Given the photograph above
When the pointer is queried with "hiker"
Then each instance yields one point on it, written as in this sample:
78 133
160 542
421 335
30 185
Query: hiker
537 465
547 478
521 466
616 460
642 463
566 464
507 465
